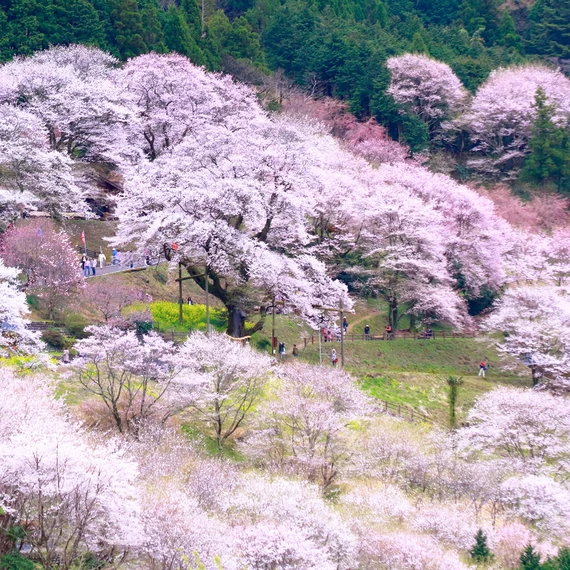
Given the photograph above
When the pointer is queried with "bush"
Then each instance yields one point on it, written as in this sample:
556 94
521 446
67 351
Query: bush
76 324
54 338
15 561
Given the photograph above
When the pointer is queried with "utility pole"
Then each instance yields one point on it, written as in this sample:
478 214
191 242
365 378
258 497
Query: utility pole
180 279
341 311
273 340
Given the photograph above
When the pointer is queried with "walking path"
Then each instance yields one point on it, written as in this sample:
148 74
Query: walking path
118 269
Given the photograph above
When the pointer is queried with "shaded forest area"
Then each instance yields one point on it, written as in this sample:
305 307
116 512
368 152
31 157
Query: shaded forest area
334 47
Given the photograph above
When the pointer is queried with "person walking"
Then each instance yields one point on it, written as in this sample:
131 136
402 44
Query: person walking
281 350
482 368
93 265
366 332
102 259
388 330
65 357
344 324
114 256
83 260
295 351
87 267
334 357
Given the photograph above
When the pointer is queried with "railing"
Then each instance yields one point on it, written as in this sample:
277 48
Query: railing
351 337
403 412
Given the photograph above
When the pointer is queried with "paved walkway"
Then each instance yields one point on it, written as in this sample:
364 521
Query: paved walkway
118 269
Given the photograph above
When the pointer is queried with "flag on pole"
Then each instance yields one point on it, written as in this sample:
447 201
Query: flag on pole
83 238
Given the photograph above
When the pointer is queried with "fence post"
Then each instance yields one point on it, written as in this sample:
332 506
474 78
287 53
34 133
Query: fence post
412 414
399 410
386 405
312 339
305 341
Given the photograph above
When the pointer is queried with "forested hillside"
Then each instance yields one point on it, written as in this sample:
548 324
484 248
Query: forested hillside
335 47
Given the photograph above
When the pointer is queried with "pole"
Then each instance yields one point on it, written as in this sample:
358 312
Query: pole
341 334
320 349
180 291
207 305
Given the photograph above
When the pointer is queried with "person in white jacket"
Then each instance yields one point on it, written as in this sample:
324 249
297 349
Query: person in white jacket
102 259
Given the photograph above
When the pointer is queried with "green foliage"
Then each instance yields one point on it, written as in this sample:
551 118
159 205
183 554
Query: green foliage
54 339
549 160
15 561
549 32
530 559
453 384
75 324
480 552
166 316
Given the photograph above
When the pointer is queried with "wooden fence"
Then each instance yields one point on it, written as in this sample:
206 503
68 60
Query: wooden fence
351 337
400 411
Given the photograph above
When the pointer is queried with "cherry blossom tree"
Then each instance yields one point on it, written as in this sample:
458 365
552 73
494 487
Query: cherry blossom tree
108 298
426 87
535 322
13 332
129 375
71 91
221 381
501 115
410 271
32 176
69 494
521 425
45 256
258 197
302 426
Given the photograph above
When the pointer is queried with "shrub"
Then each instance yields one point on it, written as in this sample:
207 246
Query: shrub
54 338
15 561
75 324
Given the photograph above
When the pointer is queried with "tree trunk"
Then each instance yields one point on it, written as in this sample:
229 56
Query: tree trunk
236 321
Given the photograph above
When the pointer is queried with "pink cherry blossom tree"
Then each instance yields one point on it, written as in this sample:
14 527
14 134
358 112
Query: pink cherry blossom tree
32 176
426 87
51 266
221 381
501 115
14 334
535 321
129 375
69 493
302 428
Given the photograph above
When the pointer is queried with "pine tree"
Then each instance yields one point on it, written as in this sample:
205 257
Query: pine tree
480 552
453 383
549 32
549 160
127 28
530 559
418 44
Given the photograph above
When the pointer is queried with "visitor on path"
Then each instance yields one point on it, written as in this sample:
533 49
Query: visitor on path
189 300
119 257
334 357
366 332
65 357
295 351
93 265
389 332
87 267
83 260
102 259
429 333
114 256
281 350
344 324
482 369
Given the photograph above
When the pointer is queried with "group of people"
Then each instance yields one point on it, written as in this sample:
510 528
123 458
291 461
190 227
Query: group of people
282 351
88 265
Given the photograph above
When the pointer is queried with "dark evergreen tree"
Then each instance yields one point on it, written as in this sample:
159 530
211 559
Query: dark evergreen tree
480 552
418 44
153 35
530 559
74 21
549 159
127 29
549 33
25 18
179 38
